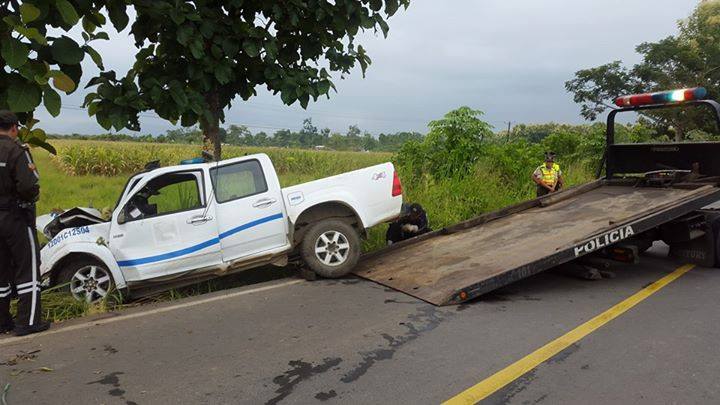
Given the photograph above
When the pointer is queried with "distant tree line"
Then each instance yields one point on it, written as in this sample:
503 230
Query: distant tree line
309 136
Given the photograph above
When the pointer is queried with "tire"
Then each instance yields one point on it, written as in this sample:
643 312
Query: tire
98 283
715 229
331 248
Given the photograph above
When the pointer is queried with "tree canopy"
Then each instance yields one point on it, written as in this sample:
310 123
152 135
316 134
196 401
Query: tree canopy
36 65
690 58
195 57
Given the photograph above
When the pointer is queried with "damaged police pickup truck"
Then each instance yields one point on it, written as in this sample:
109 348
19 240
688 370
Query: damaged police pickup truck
183 224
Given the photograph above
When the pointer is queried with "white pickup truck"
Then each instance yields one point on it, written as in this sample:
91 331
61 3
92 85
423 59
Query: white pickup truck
187 223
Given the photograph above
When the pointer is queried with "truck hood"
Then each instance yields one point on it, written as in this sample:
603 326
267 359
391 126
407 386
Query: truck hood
52 224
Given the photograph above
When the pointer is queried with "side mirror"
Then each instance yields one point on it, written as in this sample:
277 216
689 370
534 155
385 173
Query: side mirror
121 217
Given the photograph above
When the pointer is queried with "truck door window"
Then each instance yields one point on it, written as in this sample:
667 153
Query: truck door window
167 194
238 180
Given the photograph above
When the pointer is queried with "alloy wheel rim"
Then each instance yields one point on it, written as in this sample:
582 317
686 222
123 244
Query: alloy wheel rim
332 248
90 284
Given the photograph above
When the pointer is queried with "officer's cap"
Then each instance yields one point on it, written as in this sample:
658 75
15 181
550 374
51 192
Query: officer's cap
8 119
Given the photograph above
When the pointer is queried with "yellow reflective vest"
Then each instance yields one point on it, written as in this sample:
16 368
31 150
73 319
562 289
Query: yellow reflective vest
548 176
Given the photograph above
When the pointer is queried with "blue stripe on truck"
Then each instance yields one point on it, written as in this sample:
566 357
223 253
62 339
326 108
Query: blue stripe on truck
199 246
249 225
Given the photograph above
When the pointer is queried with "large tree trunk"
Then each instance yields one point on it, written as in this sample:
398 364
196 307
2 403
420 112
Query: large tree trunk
210 126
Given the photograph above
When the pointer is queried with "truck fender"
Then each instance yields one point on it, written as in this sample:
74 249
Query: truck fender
94 250
342 198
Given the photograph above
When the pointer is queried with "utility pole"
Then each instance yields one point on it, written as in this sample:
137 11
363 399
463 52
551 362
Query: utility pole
508 130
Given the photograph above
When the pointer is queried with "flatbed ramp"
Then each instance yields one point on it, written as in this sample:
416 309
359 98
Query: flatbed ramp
465 261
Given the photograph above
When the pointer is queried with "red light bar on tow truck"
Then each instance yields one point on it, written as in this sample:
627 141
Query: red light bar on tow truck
662 97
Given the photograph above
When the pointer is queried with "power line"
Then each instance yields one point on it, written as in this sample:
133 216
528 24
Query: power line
277 109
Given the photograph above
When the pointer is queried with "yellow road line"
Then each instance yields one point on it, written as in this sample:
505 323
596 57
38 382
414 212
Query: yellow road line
516 370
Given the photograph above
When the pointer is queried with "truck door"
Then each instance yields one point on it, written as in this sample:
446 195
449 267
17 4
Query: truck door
251 218
165 226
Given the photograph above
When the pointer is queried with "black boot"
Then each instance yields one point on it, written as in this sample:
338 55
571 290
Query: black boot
7 327
27 330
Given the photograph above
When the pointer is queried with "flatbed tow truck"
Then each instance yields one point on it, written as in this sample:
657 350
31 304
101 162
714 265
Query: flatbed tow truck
649 192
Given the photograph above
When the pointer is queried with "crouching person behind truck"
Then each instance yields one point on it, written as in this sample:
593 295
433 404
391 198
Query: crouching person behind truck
548 176
412 222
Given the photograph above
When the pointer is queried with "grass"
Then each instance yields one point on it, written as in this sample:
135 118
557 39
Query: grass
69 180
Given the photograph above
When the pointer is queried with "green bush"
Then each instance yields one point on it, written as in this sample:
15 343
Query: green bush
451 149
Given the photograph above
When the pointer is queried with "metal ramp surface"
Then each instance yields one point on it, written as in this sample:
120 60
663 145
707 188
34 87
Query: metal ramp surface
460 263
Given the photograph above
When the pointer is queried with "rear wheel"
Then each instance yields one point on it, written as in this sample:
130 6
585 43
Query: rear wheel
331 248
88 281
715 227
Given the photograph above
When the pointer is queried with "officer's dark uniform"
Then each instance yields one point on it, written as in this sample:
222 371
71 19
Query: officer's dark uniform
19 252
412 214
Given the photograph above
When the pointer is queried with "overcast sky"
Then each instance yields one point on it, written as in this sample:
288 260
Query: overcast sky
509 58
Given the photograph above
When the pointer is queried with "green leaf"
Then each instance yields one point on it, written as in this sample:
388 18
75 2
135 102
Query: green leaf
223 73
101 35
29 13
67 12
35 71
270 73
251 48
104 121
95 56
288 95
230 47
62 82
383 25
52 102
93 108
14 52
323 86
66 51
23 96
271 49
185 33
196 47
12 21
89 98
44 145
118 14
177 16
31 33
304 100
207 29
88 25
37 135
391 6
178 95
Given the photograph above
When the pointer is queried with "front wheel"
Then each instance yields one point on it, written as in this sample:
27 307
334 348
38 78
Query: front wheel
331 248
87 281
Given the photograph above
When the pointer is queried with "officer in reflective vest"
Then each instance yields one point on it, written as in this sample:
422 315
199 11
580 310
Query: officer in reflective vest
548 176
19 252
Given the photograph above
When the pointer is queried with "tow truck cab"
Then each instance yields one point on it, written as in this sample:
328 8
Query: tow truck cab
693 237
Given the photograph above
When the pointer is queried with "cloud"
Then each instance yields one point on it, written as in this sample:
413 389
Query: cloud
509 58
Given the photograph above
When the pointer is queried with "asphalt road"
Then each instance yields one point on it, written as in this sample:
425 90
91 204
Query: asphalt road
352 341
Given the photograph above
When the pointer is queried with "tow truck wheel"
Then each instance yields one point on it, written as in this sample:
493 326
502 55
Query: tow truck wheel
331 248
88 281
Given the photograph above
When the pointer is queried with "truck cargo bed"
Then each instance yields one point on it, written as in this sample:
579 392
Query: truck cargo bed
459 263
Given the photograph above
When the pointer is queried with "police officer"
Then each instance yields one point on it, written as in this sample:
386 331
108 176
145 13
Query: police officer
548 176
413 222
19 253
